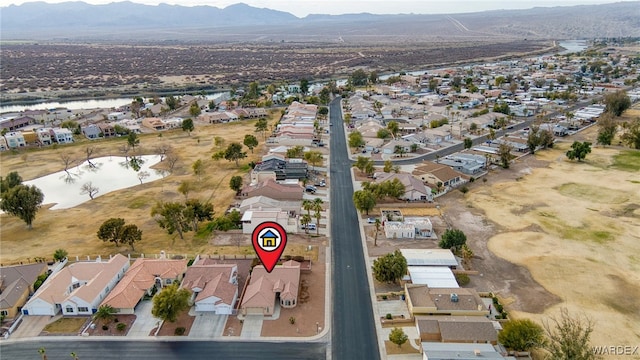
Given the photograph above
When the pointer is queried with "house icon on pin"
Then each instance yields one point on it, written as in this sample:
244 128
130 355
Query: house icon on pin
269 239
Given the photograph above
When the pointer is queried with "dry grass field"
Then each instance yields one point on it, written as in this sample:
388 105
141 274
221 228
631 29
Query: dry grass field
75 229
576 228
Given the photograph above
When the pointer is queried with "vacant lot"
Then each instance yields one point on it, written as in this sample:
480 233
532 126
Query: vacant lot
575 227
75 229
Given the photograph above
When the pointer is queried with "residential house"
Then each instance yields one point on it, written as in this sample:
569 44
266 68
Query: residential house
16 285
460 351
143 275
12 123
281 284
44 136
91 131
215 117
390 147
214 287
252 218
30 138
457 329
131 125
279 169
116 116
430 257
434 174
264 202
432 276
423 300
107 130
398 230
468 164
15 140
153 123
61 135
77 289
270 188
414 189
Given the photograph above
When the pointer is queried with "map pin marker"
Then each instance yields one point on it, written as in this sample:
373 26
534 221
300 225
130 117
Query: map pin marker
269 239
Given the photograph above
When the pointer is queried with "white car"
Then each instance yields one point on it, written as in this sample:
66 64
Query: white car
311 226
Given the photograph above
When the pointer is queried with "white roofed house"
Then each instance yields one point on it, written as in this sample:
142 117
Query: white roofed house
14 140
415 190
44 136
61 135
252 218
77 289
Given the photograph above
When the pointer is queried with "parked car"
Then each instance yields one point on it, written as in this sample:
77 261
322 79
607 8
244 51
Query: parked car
310 189
321 183
371 220
310 226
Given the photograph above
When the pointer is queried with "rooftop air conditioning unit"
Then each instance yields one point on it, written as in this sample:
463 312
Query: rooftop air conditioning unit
454 297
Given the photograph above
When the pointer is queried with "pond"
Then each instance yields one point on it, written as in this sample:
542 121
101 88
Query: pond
107 174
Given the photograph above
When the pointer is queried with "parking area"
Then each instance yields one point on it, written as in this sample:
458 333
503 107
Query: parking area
145 322
31 326
252 326
207 325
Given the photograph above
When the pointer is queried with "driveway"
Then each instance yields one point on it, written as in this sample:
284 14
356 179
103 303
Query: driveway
31 326
207 325
252 327
145 322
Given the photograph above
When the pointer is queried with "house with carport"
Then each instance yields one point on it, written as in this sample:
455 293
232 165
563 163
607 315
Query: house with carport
423 300
271 188
77 289
142 278
213 286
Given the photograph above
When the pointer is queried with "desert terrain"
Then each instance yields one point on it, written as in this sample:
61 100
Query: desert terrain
572 227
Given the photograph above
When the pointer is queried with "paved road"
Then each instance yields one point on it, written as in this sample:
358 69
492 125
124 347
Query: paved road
160 349
353 328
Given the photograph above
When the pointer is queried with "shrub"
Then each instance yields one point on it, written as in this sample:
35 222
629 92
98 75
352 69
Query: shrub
499 308
384 297
462 279
464 189
389 316
292 320
121 327
116 320
105 327
472 179
180 331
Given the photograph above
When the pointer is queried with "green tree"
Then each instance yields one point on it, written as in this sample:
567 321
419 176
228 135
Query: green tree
130 234
631 134
607 127
325 96
377 225
254 90
468 143
393 127
502 108
12 179
356 140
533 138
359 78
313 157
473 127
305 220
453 239
364 201
170 302
187 125
398 337
261 127
197 211
133 140
171 216
579 150
22 201
194 109
185 188
110 230
504 152
104 313
568 337
234 153
390 268
388 166
362 162
296 152
617 102
250 141
60 254
172 102
383 134
521 335
304 86
399 149
373 77
235 183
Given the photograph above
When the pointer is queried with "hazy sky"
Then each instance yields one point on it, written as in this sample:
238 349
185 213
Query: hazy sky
304 7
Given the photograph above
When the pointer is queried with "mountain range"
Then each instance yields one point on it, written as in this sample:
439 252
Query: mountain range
131 21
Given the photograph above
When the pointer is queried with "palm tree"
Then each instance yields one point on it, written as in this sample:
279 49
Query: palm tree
317 207
308 206
305 221
43 353
375 239
74 356
105 313
467 254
